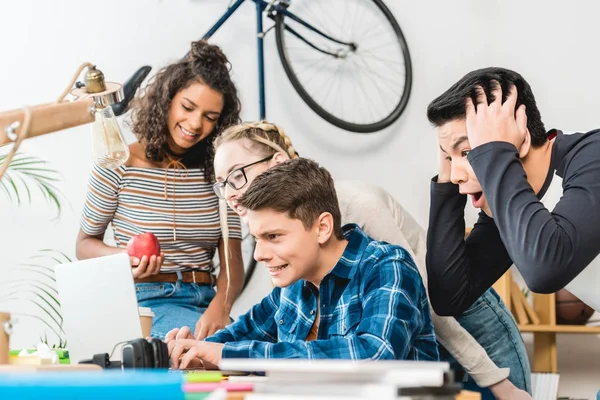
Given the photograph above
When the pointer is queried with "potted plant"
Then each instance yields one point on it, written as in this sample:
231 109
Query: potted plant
32 281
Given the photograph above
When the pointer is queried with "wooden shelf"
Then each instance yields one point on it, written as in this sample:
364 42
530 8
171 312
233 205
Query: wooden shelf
561 329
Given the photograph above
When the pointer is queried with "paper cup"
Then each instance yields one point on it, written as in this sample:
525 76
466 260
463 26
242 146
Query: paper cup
146 316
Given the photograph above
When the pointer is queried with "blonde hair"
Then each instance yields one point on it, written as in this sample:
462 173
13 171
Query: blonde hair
266 139
225 232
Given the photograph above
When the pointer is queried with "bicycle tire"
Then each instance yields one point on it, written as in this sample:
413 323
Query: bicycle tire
327 116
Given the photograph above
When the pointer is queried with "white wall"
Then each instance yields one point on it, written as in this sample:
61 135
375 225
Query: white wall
553 45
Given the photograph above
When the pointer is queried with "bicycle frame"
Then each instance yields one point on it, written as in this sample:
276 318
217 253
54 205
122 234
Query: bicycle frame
273 7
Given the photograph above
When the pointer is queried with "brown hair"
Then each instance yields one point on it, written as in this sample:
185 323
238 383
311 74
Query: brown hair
205 63
266 138
299 187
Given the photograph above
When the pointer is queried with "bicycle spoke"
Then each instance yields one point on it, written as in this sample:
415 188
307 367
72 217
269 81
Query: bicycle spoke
374 101
365 26
383 60
370 105
309 80
377 73
363 97
320 25
368 62
337 77
363 87
371 34
309 68
346 37
376 85
381 45
329 19
356 18
390 89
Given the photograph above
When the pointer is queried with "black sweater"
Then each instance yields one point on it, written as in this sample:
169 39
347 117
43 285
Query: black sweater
549 247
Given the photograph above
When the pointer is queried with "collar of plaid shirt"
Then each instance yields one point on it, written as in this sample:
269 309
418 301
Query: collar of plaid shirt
339 301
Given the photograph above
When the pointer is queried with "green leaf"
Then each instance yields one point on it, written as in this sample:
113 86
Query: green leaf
57 260
15 188
51 292
52 196
39 319
26 161
37 287
15 283
38 305
20 296
45 310
3 186
26 188
42 268
26 172
36 270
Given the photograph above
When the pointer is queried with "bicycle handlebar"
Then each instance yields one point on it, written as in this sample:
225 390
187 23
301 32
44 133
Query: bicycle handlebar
130 88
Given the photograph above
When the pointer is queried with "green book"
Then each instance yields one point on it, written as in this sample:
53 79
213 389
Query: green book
203 376
196 396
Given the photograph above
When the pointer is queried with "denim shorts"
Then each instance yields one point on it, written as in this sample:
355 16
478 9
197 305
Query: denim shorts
174 304
493 326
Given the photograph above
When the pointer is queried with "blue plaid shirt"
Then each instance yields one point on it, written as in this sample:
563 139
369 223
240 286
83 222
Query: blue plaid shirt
373 306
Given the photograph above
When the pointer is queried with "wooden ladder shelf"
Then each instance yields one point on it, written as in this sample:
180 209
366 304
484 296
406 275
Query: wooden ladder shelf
539 320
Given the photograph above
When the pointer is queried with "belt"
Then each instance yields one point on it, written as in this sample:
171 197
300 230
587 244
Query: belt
198 277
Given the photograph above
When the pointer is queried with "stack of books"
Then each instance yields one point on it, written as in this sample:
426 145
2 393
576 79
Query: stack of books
295 379
544 386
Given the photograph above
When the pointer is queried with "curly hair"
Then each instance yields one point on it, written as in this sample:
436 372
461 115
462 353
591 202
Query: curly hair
205 63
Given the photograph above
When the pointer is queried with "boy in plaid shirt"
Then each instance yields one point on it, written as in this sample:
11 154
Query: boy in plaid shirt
338 293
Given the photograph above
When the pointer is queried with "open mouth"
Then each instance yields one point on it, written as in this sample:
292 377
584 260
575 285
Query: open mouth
187 133
277 269
477 199
238 209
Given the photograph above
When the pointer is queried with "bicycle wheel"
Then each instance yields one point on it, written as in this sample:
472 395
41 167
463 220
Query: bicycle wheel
354 70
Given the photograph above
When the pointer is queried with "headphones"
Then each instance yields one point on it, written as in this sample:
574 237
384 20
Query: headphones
142 353
136 354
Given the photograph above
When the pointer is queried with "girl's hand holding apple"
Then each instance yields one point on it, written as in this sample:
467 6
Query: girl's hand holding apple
145 255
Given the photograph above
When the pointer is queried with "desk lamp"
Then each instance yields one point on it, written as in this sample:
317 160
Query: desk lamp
95 101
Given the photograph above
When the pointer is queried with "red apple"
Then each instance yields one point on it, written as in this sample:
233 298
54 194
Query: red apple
144 244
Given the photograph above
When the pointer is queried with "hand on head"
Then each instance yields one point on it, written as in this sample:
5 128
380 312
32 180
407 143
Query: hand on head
496 121
444 167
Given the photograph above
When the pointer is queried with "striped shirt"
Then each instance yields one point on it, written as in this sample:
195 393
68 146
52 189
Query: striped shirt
373 306
178 206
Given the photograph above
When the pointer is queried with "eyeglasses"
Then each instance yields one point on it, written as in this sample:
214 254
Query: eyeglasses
237 178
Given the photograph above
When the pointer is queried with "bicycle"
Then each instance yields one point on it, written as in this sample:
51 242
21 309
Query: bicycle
344 49
343 53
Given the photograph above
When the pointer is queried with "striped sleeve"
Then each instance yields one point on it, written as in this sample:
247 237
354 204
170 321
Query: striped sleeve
234 224
101 200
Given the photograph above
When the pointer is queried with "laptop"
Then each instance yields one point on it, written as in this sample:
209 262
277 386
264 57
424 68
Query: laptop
99 306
